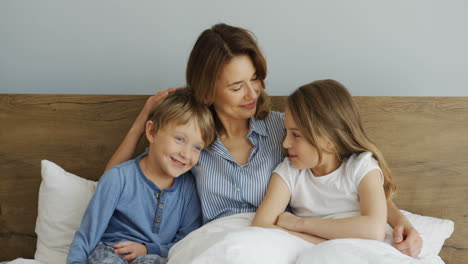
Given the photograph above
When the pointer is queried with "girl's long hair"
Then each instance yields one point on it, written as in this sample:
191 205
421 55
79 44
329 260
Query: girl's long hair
326 108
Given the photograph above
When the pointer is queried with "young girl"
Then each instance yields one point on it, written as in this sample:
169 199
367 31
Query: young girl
334 178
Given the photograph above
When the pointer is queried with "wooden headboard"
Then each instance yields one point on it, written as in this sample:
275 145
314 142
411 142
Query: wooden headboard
424 139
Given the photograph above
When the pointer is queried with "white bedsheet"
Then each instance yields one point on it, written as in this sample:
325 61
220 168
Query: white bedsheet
22 261
232 240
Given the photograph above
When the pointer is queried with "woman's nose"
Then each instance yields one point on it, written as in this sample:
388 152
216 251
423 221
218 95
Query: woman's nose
251 92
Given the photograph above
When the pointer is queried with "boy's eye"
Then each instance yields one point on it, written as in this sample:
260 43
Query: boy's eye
197 148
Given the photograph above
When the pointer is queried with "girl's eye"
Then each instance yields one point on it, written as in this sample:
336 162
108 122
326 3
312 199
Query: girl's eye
180 139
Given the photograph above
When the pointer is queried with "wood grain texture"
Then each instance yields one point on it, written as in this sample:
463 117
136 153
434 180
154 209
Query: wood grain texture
424 139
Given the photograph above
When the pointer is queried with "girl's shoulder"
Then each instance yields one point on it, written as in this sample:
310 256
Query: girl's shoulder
359 164
285 169
361 158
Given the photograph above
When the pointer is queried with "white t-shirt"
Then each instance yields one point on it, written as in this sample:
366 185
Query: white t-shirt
329 195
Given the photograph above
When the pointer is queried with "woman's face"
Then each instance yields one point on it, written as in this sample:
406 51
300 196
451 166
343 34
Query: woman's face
237 89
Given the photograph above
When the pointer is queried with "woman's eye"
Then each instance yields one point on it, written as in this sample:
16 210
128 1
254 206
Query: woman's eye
237 88
296 135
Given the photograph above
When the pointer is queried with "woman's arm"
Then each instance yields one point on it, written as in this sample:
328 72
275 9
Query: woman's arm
370 225
127 148
406 238
275 202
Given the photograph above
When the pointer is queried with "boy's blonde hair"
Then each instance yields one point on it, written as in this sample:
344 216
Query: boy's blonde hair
181 107
326 108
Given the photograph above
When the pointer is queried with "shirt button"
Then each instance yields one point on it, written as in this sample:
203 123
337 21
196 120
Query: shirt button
158 219
238 189
157 195
161 206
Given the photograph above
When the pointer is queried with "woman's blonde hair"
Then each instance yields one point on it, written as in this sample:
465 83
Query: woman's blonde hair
215 47
181 107
326 108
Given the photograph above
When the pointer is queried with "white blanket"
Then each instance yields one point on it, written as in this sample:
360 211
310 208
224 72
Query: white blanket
232 240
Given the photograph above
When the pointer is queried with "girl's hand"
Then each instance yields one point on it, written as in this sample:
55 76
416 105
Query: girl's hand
406 239
288 221
130 250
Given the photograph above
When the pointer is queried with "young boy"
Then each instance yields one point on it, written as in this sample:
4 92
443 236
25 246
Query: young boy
144 206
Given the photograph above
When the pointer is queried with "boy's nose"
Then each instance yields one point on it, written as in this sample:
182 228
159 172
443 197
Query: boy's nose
185 152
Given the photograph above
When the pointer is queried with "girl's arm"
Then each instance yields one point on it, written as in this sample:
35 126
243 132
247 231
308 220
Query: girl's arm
127 148
406 238
275 202
369 225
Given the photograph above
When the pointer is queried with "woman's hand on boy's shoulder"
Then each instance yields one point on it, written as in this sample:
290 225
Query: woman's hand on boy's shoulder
130 250
154 99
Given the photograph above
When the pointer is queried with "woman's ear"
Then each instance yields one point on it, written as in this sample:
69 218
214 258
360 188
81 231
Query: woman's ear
150 131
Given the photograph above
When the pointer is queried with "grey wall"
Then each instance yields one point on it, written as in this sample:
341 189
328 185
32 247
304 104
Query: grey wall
374 47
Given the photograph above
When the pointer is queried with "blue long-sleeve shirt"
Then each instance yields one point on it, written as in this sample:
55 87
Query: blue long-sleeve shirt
127 206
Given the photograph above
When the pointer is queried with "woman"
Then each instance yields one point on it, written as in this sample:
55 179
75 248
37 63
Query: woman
226 71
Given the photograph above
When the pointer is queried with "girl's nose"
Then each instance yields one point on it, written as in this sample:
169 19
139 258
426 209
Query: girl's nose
286 143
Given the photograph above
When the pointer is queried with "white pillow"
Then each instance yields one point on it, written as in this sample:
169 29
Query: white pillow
63 198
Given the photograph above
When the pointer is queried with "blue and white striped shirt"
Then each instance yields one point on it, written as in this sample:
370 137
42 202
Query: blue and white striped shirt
227 188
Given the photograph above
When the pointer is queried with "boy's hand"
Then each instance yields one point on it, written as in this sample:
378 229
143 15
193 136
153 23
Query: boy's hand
130 250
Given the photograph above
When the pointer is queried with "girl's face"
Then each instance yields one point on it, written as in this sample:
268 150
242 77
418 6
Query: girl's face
304 155
237 89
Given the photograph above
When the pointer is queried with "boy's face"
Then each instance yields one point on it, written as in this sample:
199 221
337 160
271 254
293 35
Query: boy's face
175 149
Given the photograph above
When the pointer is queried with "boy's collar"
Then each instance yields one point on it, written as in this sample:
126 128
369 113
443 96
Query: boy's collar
151 183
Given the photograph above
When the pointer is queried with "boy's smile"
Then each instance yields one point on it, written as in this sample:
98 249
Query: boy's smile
173 150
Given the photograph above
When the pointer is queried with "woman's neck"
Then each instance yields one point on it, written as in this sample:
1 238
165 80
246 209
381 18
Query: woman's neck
232 128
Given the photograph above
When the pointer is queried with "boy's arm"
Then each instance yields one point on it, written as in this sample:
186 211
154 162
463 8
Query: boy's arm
369 225
128 146
191 220
96 218
275 202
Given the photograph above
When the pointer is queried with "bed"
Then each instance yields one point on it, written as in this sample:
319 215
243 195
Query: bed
425 141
